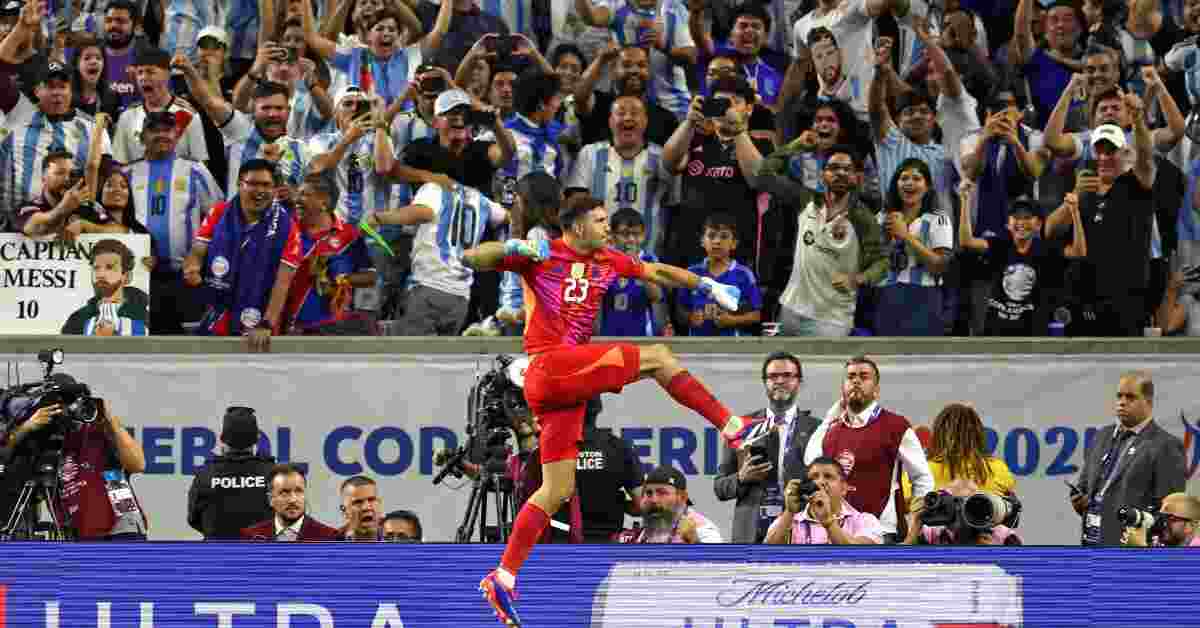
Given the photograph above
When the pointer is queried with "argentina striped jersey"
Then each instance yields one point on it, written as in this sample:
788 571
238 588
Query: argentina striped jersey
460 216
640 183
243 143
668 82
170 197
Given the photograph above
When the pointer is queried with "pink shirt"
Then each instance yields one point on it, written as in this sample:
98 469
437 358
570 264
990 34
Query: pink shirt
808 531
933 535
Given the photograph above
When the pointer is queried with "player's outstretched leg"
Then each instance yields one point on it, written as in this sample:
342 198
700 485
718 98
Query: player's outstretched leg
499 586
663 366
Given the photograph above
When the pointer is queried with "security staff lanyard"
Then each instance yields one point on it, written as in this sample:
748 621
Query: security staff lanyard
1124 443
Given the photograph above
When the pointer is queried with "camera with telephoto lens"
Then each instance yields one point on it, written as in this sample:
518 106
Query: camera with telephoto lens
980 512
19 403
1134 517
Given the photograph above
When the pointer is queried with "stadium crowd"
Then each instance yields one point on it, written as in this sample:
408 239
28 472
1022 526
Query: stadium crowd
885 167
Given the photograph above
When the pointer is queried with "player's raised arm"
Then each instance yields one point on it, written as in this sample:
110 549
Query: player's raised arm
725 295
488 255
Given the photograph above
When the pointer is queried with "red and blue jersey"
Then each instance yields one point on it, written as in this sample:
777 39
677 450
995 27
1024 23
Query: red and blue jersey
564 294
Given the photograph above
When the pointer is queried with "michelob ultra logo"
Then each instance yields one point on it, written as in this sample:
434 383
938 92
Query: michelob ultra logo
808 595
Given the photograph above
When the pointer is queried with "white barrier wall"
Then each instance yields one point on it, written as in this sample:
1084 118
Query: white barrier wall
384 416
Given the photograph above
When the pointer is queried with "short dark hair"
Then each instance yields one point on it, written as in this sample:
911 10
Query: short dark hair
862 359
626 217
721 220
533 89
54 156
563 50
286 468
755 10
117 248
782 355
256 165
409 516
326 184
735 85
914 97
855 157
383 14
356 481
826 460
577 207
267 89
821 33
128 6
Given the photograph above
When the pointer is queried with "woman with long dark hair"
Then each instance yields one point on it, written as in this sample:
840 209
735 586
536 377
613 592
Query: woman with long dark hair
919 239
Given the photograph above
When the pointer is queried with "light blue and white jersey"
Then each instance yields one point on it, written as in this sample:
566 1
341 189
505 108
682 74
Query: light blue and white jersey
896 148
517 14
170 197
184 19
641 184
389 77
377 193
460 216
935 231
668 81
28 137
305 119
512 294
241 24
407 128
127 140
243 143
536 152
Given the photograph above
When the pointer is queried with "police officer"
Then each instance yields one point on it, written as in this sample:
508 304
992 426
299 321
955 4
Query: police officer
609 477
232 491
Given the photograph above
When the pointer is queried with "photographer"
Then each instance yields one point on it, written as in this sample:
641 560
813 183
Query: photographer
97 459
948 517
824 516
1173 526
230 493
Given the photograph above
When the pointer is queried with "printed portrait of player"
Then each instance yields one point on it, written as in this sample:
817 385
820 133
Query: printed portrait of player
827 58
117 308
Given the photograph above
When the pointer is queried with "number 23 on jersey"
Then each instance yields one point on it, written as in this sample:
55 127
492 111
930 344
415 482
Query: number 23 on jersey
575 289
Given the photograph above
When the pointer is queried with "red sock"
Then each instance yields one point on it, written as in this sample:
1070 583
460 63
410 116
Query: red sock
527 529
688 391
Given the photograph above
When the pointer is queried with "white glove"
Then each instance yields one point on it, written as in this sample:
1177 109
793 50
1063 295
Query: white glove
725 295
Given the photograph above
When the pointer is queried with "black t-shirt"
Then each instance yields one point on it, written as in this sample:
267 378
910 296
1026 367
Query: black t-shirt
606 464
594 126
1117 225
1018 285
472 168
713 181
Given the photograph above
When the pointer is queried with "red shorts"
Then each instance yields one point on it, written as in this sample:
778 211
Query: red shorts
560 382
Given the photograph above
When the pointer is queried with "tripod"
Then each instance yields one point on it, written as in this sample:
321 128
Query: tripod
489 481
23 524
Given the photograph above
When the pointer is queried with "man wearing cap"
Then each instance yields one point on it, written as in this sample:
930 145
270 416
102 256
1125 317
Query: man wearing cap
358 152
230 492
335 265
152 68
211 46
35 131
1116 206
453 152
1020 265
667 513
263 135
170 194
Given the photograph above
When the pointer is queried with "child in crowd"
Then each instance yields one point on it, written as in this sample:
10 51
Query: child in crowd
703 315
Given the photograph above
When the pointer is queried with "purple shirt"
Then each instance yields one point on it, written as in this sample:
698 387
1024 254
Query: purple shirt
118 73
808 531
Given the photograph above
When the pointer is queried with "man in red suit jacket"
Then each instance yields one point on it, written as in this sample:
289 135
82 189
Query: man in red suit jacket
290 522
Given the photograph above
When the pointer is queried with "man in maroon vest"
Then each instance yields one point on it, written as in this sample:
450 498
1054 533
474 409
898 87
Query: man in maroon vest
291 521
871 443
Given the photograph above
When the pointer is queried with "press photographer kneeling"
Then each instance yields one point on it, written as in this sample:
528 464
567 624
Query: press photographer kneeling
816 513
1174 525
960 514
63 449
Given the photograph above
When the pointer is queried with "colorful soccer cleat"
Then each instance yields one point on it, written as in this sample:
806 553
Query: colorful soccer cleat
501 598
739 431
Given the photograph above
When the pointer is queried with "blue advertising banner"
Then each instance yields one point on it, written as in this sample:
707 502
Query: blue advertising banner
342 585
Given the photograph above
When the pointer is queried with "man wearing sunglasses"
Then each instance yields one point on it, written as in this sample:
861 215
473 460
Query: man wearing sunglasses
230 493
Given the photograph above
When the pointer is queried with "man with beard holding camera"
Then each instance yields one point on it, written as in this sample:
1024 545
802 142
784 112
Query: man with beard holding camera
756 481
824 515
667 513
1175 525
96 500
231 492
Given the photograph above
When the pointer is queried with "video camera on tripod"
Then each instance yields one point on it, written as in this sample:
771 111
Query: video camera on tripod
36 459
494 407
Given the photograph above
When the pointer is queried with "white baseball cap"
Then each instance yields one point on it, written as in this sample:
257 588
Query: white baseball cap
450 99
216 32
344 91
1109 133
